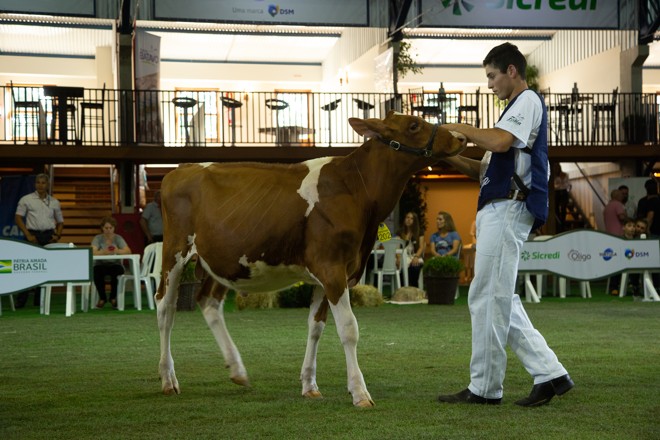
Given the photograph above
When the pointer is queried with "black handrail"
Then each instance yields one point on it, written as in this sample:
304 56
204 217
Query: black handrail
215 118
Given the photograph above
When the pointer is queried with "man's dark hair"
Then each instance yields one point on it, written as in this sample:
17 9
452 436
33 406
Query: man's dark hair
623 187
651 187
504 55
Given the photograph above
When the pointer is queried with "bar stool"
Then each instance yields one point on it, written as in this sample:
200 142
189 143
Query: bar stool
470 112
609 112
232 105
364 106
330 107
185 103
277 105
92 112
28 109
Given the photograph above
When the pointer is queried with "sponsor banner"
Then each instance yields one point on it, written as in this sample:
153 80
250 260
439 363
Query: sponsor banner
532 14
335 12
24 265
147 82
59 7
588 255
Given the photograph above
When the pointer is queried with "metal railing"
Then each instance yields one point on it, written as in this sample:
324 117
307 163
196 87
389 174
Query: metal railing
213 118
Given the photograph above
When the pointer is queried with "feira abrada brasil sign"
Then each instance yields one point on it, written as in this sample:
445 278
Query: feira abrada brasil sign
24 265
589 255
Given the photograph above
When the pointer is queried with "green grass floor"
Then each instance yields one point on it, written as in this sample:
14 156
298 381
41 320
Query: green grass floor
94 375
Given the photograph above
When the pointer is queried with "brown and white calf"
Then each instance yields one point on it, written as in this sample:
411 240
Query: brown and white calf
259 227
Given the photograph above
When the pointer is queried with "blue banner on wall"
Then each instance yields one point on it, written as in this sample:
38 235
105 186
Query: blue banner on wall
12 188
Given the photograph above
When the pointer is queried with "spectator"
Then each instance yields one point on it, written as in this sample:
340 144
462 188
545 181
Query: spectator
415 246
43 224
648 208
614 213
151 221
108 243
446 241
629 233
631 206
641 228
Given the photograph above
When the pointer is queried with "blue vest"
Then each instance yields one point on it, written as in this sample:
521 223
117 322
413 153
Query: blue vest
501 170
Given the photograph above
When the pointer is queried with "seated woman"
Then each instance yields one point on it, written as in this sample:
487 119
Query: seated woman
446 241
415 246
108 243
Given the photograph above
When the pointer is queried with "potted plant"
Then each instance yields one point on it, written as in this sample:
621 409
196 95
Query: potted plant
441 278
189 285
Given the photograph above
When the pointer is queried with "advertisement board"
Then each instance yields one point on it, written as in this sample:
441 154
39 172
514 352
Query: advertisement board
531 14
336 12
24 265
589 255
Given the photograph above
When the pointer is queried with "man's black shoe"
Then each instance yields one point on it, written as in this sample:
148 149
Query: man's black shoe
543 393
466 396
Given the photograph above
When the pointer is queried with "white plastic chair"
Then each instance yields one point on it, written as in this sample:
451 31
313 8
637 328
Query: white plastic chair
46 289
150 268
389 267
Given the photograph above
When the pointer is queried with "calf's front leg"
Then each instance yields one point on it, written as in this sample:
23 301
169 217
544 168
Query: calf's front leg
347 328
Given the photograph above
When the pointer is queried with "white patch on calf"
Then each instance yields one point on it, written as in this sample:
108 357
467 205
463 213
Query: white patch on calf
309 186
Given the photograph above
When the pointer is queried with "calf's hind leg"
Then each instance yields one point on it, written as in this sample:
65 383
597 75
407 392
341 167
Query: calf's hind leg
166 307
211 300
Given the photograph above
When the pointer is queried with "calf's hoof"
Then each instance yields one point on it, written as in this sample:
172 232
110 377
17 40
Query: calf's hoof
241 380
367 403
313 394
171 391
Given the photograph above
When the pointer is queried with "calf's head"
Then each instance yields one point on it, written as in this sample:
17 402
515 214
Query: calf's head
411 134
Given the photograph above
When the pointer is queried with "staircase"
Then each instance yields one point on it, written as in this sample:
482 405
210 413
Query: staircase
575 217
86 195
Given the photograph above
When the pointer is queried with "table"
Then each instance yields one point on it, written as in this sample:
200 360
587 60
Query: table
135 266
185 103
232 105
288 134
62 95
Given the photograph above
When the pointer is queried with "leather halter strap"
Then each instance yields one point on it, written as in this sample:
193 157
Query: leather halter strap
427 151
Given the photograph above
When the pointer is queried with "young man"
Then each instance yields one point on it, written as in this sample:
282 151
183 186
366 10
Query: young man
513 201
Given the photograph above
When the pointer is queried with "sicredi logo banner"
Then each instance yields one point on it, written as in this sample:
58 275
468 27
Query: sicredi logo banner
24 265
549 14
588 255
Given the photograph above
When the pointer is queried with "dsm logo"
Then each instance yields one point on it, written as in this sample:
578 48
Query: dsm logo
5 266
274 10
608 254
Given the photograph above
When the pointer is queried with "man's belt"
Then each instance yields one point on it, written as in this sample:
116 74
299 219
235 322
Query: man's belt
514 194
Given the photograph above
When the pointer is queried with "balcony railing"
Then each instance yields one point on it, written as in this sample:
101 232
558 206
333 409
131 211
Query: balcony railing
213 118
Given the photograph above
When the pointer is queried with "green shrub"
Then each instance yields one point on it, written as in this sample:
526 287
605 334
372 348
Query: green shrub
298 295
443 266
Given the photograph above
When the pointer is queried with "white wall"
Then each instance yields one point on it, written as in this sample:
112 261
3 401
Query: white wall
598 74
48 70
239 77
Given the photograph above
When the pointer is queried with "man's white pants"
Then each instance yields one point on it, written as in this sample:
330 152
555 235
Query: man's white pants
498 316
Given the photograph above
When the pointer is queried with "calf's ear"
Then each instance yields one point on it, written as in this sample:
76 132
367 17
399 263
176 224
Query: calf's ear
367 128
